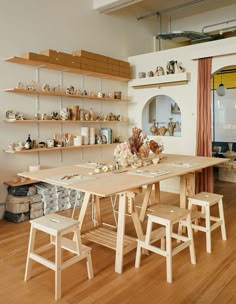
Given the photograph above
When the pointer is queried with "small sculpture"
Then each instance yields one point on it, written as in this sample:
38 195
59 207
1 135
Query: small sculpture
150 74
159 71
70 90
31 86
170 67
45 87
20 85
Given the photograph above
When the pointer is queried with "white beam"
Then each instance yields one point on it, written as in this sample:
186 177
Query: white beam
107 6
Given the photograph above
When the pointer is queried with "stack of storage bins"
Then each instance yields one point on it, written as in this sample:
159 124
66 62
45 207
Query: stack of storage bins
22 203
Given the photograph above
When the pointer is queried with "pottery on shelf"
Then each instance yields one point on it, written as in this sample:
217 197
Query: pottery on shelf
171 126
162 130
154 128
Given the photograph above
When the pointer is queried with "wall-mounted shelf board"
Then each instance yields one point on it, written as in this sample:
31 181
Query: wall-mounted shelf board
160 81
52 66
59 148
63 121
25 182
22 91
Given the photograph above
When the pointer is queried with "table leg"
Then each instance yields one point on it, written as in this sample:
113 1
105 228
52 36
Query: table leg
157 193
83 209
145 203
120 233
97 211
183 190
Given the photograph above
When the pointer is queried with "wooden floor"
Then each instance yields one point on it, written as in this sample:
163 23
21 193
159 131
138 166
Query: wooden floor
211 280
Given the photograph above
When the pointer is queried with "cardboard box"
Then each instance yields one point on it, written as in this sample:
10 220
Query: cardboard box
101 70
34 56
124 64
87 67
87 61
100 64
100 58
125 75
113 61
58 57
86 54
17 207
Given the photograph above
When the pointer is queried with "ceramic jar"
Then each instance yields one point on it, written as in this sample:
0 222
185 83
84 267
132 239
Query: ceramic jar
154 128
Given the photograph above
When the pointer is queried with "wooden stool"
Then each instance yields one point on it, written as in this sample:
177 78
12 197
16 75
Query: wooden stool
167 216
206 200
57 226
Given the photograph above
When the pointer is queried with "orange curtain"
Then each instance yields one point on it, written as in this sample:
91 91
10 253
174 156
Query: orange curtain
204 180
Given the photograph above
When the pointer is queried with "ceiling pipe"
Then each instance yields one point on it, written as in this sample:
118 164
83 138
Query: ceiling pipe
169 9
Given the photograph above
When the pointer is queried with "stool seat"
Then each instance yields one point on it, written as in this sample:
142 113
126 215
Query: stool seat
167 216
206 200
57 227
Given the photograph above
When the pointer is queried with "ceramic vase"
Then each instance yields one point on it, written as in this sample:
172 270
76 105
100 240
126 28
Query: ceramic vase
153 128
171 127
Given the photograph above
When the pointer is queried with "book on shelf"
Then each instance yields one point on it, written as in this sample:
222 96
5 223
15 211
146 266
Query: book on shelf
106 135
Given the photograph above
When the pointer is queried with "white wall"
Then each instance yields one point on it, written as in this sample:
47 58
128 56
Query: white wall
32 26
185 95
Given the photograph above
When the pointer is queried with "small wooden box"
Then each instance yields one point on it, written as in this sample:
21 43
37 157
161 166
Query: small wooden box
34 56
86 54
113 61
57 57
124 64
101 58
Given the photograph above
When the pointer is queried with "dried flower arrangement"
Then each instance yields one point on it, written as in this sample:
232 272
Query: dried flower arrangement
137 151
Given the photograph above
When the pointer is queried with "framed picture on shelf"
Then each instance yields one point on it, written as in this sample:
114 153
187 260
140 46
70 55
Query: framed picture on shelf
175 108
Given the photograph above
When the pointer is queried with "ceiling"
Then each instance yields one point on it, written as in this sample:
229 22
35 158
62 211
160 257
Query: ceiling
181 8
175 8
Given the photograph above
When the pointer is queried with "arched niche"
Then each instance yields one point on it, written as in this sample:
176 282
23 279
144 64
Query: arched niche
161 109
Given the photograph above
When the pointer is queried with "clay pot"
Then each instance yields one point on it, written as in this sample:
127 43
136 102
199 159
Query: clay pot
162 130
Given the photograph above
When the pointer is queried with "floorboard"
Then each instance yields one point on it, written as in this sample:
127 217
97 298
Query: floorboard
211 281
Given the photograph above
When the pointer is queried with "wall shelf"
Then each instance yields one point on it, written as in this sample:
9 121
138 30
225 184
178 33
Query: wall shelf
59 148
160 81
22 91
62 121
52 66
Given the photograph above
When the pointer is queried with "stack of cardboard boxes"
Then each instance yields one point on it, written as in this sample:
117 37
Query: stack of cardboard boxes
85 61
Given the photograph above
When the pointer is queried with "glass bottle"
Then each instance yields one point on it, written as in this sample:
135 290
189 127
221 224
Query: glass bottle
28 144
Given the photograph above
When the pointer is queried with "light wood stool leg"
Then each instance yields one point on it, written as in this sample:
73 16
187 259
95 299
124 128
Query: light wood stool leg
138 256
30 249
222 218
168 253
58 267
208 229
89 266
190 236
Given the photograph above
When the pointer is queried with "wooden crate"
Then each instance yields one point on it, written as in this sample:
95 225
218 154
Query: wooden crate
34 56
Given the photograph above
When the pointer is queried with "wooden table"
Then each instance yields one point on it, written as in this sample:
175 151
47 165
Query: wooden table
106 184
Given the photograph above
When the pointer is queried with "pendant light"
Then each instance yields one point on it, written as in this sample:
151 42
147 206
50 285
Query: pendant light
221 90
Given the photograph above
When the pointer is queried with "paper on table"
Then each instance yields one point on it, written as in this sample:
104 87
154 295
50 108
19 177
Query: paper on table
184 165
148 174
62 179
91 165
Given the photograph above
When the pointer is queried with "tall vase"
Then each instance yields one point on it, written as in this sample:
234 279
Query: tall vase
171 127
154 128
